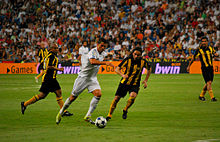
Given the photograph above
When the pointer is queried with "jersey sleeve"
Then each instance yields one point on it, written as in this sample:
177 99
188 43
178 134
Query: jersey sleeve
51 60
39 53
80 51
196 54
46 52
104 54
92 54
123 63
147 65
213 50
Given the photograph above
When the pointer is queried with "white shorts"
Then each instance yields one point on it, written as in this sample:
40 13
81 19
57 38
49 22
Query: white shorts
81 83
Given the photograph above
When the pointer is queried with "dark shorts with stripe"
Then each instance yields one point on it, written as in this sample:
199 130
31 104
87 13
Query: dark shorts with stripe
123 89
49 86
208 74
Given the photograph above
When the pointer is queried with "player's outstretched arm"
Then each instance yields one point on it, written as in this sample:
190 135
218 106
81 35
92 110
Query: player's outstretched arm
97 62
118 71
54 68
193 59
146 78
190 63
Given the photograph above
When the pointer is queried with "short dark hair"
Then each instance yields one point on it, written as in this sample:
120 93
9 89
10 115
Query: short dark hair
138 49
102 40
204 37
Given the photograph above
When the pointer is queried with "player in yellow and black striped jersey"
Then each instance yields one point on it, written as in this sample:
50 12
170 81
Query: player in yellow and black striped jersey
42 53
49 82
130 82
205 54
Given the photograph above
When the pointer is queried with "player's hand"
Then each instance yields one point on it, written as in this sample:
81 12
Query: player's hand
145 84
109 64
216 54
61 69
125 76
188 69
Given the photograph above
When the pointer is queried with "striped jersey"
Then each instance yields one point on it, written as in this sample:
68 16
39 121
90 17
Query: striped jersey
133 68
43 52
50 60
205 56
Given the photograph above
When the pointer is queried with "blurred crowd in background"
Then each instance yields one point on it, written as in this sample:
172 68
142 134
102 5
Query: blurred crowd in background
164 29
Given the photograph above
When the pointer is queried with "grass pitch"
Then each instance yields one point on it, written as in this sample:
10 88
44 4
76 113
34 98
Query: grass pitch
167 111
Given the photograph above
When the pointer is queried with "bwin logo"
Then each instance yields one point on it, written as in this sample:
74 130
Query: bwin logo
69 69
167 69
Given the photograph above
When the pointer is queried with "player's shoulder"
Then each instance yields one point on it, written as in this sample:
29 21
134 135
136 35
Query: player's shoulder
93 50
82 48
211 47
198 48
127 58
51 54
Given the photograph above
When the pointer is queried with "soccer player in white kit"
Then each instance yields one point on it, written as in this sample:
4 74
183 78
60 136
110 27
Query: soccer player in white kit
83 51
87 78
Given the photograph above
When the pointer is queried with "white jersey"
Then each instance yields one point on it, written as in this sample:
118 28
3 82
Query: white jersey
83 51
89 70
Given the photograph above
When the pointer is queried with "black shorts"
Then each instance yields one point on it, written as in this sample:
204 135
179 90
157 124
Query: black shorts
49 86
208 74
41 66
123 89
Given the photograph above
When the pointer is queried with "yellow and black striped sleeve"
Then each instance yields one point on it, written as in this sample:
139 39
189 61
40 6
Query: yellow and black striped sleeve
46 52
48 61
147 64
196 54
40 51
51 60
212 49
123 63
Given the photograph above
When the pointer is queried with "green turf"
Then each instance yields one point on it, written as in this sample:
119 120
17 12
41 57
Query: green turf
167 111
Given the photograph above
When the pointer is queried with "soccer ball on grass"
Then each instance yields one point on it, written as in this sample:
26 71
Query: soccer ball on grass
100 122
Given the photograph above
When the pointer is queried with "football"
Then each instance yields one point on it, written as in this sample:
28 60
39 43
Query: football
100 122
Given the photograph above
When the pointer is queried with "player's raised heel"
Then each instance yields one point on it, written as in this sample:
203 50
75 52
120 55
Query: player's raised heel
124 115
58 118
202 98
23 108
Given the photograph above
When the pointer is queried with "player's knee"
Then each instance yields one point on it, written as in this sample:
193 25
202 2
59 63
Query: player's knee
97 93
41 97
134 95
117 98
209 83
72 97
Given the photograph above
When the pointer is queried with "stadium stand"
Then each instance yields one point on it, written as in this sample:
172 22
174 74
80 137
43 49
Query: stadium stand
164 29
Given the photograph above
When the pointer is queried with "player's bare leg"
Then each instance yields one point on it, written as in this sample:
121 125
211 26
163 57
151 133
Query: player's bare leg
65 106
202 95
93 104
130 102
33 100
209 88
113 107
60 102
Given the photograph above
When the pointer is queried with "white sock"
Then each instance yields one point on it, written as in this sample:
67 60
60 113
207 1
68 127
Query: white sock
93 104
65 106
